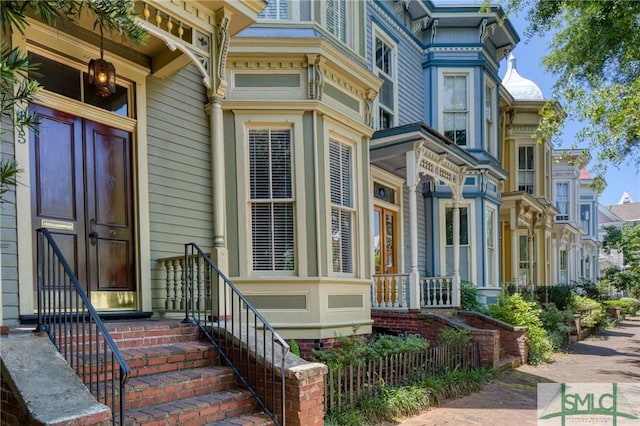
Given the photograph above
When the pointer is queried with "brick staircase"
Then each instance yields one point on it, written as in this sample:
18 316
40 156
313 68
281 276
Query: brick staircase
176 379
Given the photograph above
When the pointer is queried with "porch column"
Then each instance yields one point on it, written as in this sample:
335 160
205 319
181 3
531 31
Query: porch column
413 178
218 53
455 296
515 247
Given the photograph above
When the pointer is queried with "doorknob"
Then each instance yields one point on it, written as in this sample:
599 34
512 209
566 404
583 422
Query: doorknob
93 234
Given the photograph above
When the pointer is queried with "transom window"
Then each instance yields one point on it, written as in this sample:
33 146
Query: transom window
337 19
385 69
73 83
342 211
271 192
455 108
276 9
562 200
526 172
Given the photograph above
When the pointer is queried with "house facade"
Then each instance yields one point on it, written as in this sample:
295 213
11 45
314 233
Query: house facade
124 180
528 213
576 243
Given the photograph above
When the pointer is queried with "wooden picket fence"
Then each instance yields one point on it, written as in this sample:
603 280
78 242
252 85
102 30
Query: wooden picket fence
345 385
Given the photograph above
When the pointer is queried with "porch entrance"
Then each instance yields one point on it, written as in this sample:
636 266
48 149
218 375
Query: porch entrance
82 190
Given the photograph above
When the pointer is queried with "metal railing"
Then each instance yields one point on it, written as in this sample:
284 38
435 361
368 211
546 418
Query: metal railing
390 291
66 314
246 341
436 292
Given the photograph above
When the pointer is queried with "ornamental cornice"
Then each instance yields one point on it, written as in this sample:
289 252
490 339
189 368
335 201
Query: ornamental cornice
267 64
457 49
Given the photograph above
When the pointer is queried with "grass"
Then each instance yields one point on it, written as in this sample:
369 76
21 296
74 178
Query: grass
393 404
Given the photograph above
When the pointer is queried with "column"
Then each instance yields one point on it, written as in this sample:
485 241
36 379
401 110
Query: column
515 248
456 253
413 179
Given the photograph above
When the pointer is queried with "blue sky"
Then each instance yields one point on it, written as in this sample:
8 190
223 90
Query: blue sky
529 54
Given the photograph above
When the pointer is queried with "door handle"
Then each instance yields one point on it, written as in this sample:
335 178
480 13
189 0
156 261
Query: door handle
93 234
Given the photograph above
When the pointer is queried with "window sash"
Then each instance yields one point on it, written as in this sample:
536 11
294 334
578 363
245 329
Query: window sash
342 212
464 226
271 200
562 200
276 9
337 19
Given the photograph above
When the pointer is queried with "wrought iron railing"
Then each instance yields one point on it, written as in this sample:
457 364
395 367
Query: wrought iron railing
246 341
390 291
66 314
436 292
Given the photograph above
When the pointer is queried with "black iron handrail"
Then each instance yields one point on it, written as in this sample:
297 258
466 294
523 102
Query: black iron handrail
66 314
244 338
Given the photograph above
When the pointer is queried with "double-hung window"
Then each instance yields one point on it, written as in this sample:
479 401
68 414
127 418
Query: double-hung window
490 121
456 110
490 228
385 69
342 206
526 172
464 242
585 218
271 200
276 9
337 19
562 200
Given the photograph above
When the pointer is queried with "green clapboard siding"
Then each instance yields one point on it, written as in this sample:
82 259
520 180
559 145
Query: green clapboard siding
338 301
278 301
341 97
267 80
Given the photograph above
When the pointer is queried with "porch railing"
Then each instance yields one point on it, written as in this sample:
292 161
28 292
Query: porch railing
66 314
245 340
390 291
436 292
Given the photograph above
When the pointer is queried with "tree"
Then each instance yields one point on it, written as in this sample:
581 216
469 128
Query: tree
595 53
626 240
17 89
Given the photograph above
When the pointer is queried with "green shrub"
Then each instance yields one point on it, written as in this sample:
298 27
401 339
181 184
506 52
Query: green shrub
356 351
389 345
558 324
591 313
454 336
627 305
561 296
515 310
295 349
469 297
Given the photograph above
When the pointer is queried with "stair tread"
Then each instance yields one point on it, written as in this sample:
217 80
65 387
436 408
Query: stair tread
166 348
188 374
209 408
255 419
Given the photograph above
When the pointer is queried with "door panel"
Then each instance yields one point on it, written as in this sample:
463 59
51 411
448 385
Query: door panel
82 176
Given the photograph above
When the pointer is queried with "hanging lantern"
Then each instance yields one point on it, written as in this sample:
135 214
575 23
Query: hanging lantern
102 74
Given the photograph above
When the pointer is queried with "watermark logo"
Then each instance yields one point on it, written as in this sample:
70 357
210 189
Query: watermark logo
616 404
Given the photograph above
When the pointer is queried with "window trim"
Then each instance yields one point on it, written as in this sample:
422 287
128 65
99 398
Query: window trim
531 171
490 125
379 33
351 210
471 232
244 121
470 111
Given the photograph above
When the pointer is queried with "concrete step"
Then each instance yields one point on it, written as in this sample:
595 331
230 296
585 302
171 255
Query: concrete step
195 411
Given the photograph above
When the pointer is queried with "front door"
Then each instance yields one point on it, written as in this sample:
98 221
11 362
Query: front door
81 174
385 231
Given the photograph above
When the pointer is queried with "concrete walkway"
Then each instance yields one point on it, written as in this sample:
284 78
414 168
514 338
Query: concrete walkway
612 356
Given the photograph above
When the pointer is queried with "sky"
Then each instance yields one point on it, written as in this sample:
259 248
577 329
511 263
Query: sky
529 54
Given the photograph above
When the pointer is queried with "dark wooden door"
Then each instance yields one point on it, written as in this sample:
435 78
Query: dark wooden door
82 191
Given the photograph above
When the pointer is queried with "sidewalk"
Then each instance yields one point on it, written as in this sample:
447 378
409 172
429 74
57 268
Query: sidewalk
612 356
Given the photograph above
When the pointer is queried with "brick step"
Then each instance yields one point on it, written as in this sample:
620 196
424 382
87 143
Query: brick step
165 387
147 360
195 411
255 419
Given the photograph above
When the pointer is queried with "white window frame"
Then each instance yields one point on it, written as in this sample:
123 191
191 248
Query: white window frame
343 207
471 244
586 223
562 217
342 32
524 259
244 122
492 251
470 119
393 77
528 187
272 202
280 7
490 121
563 267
